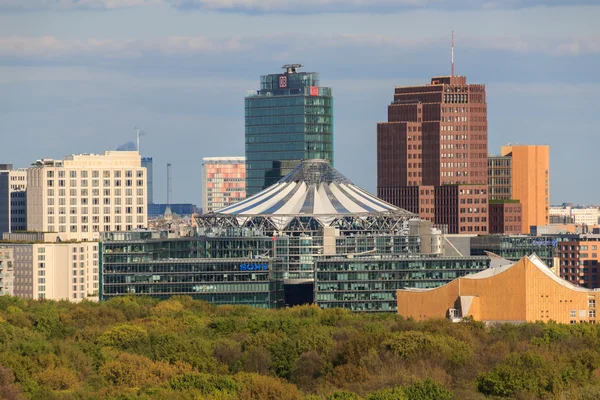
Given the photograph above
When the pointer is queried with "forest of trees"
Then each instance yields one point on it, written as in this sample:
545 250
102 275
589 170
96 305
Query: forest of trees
141 348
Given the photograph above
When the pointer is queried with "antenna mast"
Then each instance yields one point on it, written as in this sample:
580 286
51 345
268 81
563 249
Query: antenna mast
138 133
452 53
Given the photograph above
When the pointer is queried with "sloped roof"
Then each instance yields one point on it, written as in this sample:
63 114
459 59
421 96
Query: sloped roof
315 189
499 265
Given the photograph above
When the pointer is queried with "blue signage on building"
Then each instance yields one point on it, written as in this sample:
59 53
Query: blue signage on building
254 267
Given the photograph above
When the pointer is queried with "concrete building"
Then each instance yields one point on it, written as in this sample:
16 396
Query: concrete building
85 194
13 199
45 268
530 182
288 120
432 153
576 215
500 177
223 182
6 272
525 291
147 163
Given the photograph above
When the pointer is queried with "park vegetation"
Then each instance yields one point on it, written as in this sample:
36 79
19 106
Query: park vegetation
142 348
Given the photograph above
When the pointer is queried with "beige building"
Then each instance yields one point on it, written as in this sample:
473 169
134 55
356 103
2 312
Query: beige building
44 268
523 291
578 215
530 182
6 271
223 182
85 194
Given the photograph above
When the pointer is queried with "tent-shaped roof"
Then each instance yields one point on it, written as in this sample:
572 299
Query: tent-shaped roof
314 189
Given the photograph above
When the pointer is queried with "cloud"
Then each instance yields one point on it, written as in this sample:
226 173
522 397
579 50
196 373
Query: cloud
291 6
261 47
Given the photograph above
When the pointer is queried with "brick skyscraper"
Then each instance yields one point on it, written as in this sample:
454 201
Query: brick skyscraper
432 153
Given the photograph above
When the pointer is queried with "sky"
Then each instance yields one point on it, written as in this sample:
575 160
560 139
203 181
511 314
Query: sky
77 76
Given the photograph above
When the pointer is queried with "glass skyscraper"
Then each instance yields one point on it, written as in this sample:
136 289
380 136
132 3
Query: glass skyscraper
288 120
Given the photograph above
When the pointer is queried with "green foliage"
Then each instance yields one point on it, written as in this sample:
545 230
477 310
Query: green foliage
141 348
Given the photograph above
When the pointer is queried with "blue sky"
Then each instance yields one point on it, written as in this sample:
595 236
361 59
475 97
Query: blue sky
76 76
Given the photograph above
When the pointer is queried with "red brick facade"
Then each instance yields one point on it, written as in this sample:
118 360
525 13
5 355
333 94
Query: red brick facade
505 218
436 139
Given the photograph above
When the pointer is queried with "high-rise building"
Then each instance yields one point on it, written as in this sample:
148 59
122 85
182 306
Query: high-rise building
45 268
13 199
505 213
147 163
530 181
432 153
223 182
85 194
288 120
500 177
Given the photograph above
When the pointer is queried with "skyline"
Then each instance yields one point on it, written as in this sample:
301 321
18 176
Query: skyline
88 76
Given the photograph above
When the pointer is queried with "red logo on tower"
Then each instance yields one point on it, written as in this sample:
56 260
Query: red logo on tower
283 81
314 90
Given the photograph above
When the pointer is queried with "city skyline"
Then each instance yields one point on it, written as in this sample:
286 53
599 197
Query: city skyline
86 83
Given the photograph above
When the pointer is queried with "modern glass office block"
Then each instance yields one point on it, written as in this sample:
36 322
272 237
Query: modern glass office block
288 120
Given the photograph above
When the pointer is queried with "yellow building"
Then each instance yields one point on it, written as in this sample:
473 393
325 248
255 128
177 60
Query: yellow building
530 182
525 291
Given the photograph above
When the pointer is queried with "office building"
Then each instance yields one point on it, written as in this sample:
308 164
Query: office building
223 182
45 268
313 237
505 217
578 259
500 177
147 163
530 182
514 247
13 199
432 153
85 194
289 119
6 271
523 291
575 214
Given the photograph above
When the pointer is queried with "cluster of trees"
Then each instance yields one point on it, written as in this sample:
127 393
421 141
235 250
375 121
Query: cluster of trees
141 348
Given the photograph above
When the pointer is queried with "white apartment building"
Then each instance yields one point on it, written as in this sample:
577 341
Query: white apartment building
6 271
85 194
581 215
13 198
44 268
223 182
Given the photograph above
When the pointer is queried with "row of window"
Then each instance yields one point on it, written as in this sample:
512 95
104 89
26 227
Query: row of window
95 174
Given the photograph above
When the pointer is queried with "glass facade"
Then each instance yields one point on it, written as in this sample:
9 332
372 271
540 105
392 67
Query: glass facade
218 270
370 283
288 120
515 247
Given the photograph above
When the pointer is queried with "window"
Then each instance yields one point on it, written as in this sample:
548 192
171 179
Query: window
573 313
592 313
591 303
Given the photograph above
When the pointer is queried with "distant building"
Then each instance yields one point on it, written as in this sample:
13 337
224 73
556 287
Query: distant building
514 247
530 182
575 214
85 194
158 210
44 268
223 182
6 271
288 120
147 163
432 153
13 199
523 291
